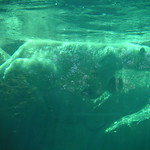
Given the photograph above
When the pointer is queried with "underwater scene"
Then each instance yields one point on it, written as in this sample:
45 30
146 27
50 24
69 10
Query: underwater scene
74 75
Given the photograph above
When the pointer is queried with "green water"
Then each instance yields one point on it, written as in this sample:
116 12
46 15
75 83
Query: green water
74 75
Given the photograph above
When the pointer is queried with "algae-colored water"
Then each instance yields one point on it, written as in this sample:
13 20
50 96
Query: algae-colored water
74 75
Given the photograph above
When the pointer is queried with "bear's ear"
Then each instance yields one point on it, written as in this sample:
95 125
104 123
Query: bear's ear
142 51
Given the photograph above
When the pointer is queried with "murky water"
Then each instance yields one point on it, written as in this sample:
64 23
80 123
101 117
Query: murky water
74 75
